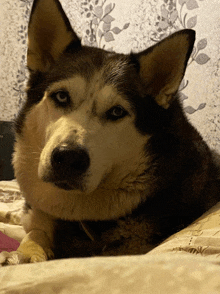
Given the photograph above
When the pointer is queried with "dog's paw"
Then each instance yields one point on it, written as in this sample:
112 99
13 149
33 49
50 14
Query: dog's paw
12 258
29 252
16 257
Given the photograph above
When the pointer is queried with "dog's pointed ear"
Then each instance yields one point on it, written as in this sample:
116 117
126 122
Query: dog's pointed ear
162 66
49 33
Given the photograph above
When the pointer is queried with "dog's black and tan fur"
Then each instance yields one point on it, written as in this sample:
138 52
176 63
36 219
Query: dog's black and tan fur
104 155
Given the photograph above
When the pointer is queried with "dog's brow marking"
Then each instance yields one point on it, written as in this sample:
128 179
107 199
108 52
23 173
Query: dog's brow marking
76 86
109 97
105 99
102 96
76 82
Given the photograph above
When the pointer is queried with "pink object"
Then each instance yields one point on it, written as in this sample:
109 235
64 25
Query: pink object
8 244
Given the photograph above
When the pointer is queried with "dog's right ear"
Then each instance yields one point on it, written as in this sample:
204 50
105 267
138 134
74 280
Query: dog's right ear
49 33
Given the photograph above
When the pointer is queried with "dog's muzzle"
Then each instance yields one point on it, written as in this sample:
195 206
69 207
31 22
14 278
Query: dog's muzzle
68 166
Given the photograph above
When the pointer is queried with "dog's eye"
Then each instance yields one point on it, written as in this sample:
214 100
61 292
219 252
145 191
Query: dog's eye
61 97
116 113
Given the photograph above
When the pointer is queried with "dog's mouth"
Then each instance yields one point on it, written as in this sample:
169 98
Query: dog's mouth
68 186
59 181
64 185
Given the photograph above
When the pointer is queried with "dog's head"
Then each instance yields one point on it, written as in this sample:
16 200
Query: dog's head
90 113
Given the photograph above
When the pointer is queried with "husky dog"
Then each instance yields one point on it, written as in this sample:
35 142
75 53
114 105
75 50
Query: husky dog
104 155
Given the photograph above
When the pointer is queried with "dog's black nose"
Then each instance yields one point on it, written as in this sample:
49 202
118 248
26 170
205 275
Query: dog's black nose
67 160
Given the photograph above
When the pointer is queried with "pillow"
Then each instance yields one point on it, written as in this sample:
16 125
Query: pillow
8 244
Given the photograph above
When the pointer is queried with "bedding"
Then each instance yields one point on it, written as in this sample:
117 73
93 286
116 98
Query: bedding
187 262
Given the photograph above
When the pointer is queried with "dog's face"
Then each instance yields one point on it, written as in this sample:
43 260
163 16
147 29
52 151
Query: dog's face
89 134
82 136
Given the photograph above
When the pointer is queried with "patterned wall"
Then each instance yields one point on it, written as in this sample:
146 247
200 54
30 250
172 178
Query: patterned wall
125 26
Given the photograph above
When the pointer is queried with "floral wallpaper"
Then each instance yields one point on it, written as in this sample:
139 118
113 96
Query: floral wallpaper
125 26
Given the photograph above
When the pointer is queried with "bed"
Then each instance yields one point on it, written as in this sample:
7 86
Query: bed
187 262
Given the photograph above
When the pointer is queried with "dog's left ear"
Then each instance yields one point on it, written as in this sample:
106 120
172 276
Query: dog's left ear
49 33
162 66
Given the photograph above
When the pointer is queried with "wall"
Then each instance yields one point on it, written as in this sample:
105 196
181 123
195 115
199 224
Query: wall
125 25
